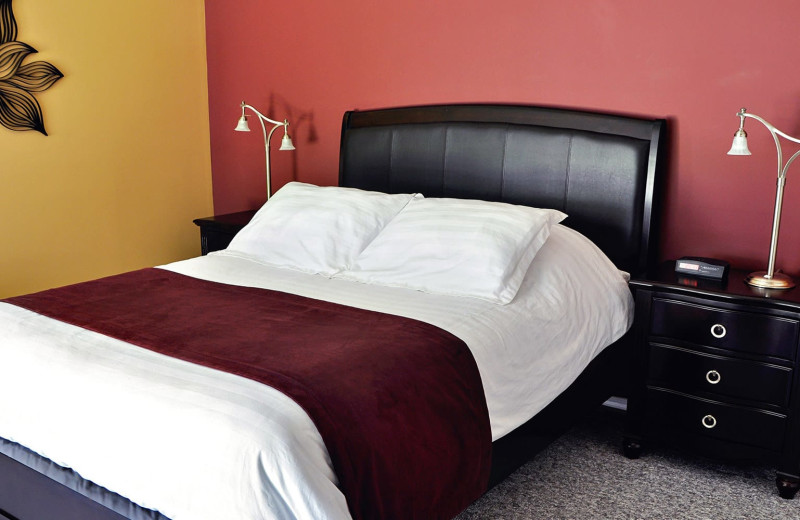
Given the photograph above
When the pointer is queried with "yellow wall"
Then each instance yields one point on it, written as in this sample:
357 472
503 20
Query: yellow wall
126 165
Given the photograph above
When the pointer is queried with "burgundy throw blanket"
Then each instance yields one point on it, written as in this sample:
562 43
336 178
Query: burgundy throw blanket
399 403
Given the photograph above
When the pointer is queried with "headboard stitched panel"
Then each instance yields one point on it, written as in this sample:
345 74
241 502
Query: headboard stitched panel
599 169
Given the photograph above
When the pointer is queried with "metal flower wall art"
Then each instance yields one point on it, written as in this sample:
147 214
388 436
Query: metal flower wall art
19 109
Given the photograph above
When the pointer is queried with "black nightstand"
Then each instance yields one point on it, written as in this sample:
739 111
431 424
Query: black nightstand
716 370
217 232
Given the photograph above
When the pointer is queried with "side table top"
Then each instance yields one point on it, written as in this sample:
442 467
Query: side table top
733 287
227 221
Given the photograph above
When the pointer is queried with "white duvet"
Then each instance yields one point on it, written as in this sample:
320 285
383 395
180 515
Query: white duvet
195 443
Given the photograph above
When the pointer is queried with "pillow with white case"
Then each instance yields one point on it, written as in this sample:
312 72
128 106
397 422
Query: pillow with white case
458 247
316 229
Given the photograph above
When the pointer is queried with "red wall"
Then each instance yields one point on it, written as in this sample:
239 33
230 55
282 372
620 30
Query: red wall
695 63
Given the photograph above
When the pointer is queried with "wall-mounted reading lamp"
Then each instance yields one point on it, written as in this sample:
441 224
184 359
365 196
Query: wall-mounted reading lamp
768 279
286 142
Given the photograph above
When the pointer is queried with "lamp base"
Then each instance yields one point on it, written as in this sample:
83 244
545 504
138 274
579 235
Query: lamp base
776 281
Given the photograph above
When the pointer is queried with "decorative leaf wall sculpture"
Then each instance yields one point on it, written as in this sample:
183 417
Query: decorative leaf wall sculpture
19 110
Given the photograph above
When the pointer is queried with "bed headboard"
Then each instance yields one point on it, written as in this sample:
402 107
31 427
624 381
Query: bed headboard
599 169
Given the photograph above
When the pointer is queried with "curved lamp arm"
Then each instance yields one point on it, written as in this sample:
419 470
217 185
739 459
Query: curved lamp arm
286 142
768 279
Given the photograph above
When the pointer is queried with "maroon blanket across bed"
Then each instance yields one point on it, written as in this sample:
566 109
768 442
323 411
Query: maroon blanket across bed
399 403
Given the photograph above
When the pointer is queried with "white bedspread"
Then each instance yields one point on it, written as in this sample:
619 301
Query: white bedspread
195 443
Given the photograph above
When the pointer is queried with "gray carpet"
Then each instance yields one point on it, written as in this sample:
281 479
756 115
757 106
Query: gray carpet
584 475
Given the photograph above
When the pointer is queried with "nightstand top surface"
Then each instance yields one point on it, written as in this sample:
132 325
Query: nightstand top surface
236 220
664 277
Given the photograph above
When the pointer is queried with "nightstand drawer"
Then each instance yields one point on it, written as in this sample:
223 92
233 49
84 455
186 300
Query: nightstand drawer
696 416
742 331
695 372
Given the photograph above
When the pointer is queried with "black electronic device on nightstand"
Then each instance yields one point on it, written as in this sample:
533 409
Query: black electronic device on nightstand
703 267
716 369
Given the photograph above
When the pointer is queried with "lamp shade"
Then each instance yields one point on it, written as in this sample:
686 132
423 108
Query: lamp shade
242 126
739 146
286 143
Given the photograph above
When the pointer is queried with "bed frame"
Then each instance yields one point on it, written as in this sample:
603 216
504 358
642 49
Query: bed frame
603 170
600 169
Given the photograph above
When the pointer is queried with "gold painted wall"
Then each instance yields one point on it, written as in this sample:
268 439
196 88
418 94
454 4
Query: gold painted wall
126 165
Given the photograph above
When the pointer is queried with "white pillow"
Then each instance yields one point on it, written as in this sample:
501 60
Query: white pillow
316 229
457 247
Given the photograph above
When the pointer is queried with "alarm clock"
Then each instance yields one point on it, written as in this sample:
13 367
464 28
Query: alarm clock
702 267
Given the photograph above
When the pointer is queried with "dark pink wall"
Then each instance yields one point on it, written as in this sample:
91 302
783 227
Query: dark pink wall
693 62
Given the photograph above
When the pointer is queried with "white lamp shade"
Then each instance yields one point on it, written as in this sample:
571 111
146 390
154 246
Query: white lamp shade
739 146
242 126
286 143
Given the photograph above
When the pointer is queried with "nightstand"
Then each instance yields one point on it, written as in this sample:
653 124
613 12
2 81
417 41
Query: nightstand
716 370
217 232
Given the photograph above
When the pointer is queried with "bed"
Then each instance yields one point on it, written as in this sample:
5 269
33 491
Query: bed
601 171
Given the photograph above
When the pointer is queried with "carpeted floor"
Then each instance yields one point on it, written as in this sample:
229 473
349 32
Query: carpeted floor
584 475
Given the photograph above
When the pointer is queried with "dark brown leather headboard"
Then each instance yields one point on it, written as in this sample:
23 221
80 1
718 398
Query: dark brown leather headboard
599 169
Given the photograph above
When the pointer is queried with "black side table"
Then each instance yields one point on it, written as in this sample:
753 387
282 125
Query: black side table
217 232
717 370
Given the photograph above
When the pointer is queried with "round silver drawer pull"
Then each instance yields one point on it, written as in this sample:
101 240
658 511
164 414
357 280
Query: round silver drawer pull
713 377
709 421
718 331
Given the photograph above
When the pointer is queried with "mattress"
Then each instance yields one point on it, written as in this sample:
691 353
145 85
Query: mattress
194 443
